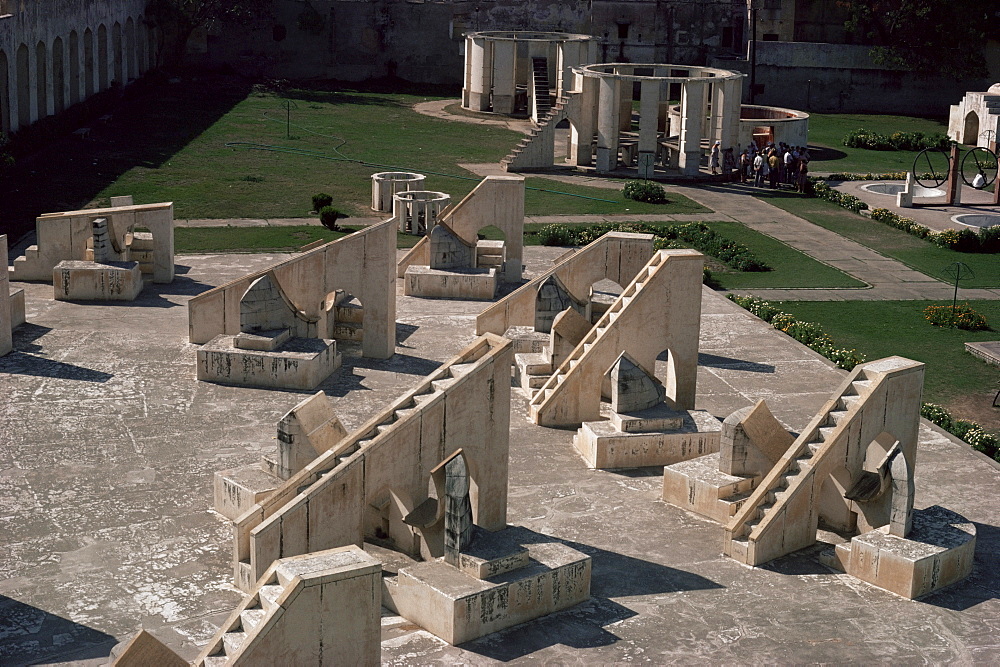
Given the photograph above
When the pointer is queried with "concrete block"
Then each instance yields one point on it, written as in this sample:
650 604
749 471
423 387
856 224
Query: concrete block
74 280
424 281
938 552
265 341
527 340
239 489
698 486
605 447
299 363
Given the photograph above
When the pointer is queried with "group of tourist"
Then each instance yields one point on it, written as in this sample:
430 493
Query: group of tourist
777 165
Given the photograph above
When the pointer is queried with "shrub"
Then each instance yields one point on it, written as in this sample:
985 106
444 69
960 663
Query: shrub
645 191
807 333
897 141
936 415
320 200
695 235
328 215
989 239
981 441
850 202
962 316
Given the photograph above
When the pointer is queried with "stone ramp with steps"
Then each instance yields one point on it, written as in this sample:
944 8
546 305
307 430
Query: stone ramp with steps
537 150
659 310
325 504
782 513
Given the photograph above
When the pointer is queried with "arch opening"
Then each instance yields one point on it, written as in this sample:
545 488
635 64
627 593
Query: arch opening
41 80
970 129
118 54
74 68
23 88
102 57
5 97
89 85
58 76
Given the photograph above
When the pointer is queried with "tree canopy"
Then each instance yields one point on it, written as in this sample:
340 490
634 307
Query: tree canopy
931 36
177 19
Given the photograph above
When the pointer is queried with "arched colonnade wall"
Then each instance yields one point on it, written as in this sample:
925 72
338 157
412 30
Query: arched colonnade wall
56 53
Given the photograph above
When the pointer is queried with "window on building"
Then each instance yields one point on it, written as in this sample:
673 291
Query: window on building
623 30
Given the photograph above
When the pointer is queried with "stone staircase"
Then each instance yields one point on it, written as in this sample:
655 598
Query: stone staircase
253 613
540 88
566 399
537 150
309 480
791 478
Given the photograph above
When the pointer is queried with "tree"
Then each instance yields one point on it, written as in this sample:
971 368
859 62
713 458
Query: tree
177 19
934 37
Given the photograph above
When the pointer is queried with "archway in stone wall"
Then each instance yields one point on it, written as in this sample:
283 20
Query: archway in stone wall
834 511
4 95
58 75
131 58
74 67
970 131
142 45
23 88
102 58
117 53
41 80
89 85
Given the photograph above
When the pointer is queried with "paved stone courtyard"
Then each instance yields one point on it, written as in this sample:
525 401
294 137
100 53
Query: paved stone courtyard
108 446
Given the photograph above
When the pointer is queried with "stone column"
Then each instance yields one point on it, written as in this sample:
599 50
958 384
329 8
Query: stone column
504 53
581 137
478 74
726 112
649 103
6 337
692 120
608 118
625 106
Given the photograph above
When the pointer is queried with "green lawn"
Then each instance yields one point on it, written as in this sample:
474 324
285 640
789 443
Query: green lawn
912 251
791 267
884 328
828 131
205 178
596 201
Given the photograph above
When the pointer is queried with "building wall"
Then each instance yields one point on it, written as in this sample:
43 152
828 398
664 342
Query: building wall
55 53
841 78
422 41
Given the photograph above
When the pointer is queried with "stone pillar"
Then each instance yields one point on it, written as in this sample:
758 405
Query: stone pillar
478 74
504 54
729 132
649 102
386 184
692 120
608 118
625 106
6 337
582 133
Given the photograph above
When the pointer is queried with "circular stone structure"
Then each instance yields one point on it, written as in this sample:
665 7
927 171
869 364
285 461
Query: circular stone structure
386 184
892 189
417 211
515 72
762 125
978 220
709 109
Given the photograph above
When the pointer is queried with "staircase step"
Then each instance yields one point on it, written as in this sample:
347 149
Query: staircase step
216 661
458 370
814 447
837 415
268 594
443 383
252 617
826 431
232 641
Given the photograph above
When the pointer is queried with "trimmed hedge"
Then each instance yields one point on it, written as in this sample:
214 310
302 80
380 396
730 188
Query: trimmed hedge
897 141
809 334
645 191
692 234
969 431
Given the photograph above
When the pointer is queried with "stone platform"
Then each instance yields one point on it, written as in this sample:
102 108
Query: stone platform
988 351
938 552
107 524
475 284
657 437
74 280
699 486
499 584
295 363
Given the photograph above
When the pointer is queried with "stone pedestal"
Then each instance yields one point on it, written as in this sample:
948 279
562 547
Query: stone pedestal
938 552
499 583
699 486
424 281
655 437
239 489
527 340
74 280
298 363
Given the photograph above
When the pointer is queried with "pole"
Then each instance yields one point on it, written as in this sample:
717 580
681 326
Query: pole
954 299
288 119
753 50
